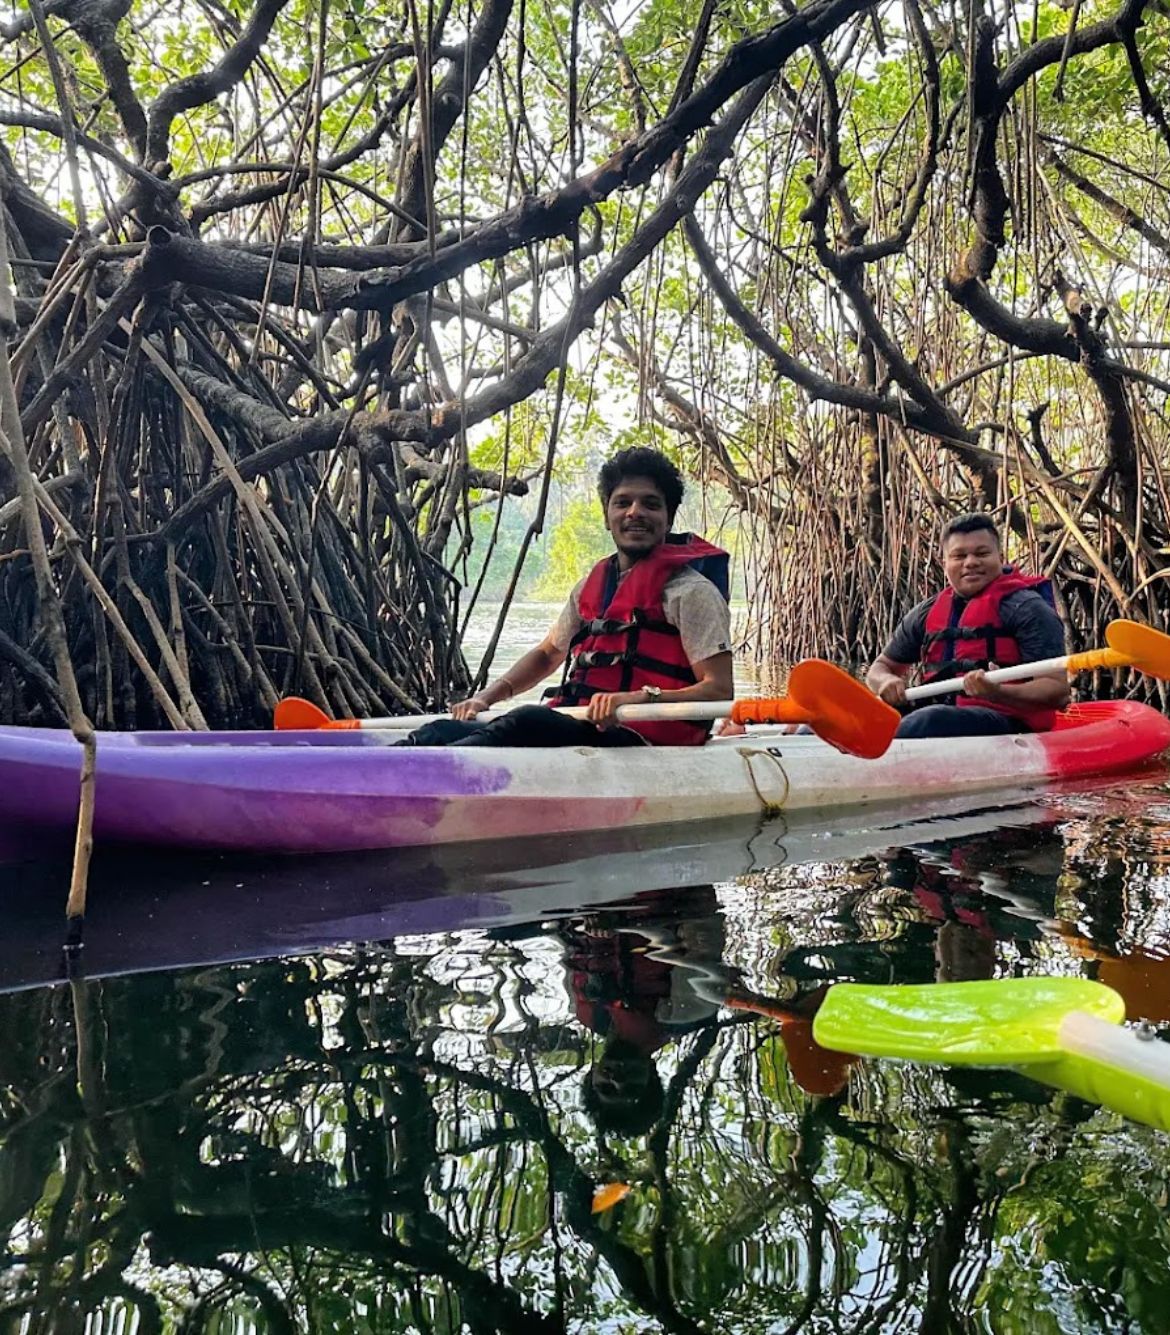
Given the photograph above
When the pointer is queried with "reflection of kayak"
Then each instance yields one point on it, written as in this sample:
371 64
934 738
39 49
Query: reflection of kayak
335 791
153 911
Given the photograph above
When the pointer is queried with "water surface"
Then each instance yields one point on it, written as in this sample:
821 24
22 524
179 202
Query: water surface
386 1094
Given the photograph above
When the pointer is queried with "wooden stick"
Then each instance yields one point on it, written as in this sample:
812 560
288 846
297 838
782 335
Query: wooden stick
13 443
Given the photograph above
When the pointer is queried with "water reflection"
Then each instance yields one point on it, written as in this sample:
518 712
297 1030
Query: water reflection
411 1134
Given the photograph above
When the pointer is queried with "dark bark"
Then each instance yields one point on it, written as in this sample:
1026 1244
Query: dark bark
197 89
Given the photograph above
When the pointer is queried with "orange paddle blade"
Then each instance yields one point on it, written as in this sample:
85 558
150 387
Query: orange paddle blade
1147 649
842 710
297 715
815 1069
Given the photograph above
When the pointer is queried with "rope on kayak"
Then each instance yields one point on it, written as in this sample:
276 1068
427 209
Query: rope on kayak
749 753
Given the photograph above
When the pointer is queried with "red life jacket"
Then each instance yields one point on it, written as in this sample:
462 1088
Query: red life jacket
955 645
951 899
625 641
617 989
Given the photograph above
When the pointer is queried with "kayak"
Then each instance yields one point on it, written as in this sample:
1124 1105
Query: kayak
327 791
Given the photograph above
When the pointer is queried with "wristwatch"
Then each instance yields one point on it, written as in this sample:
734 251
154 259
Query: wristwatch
652 692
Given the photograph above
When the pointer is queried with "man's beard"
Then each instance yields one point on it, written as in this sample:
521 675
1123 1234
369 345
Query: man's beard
644 541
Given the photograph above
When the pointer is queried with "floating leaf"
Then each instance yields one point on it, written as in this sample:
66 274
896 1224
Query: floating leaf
605 1198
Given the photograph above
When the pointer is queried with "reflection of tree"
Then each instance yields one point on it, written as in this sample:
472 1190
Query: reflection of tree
399 1139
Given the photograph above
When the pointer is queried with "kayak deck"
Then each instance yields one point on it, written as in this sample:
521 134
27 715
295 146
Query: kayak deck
345 791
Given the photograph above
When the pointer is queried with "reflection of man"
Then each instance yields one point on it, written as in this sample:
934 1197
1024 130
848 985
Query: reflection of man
988 615
653 971
626 989
645 625
980 892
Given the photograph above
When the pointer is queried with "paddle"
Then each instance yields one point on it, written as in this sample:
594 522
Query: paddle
815 1068
1065 1031
837 707
1130 645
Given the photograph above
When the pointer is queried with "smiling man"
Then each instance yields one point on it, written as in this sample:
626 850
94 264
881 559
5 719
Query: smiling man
988 615
649 623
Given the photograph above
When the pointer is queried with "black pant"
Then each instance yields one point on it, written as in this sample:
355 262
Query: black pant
958 721
526 725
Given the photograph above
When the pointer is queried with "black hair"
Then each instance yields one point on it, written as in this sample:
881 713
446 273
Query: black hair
634 1107
639 461
970 523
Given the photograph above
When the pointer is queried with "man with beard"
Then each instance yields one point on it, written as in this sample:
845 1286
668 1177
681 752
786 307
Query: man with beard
649 623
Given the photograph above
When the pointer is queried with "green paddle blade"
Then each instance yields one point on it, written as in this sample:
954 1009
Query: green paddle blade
1145 1098
1002 1022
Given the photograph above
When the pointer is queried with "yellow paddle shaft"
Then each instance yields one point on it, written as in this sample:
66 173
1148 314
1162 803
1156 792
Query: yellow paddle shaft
1096 658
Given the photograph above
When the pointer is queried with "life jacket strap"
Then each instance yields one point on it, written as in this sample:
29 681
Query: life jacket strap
963 633
596 658
601 626
611 626
955 667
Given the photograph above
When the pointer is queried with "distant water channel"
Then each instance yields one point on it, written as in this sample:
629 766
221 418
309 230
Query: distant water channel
570 1085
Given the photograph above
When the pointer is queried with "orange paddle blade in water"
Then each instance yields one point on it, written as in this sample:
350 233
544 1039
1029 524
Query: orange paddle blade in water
815 1069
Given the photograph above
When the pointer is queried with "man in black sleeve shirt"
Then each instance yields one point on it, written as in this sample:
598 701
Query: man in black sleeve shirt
988 615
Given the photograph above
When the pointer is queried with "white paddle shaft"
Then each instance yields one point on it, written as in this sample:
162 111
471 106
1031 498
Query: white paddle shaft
704 710
1018 673
700 711
1120 1048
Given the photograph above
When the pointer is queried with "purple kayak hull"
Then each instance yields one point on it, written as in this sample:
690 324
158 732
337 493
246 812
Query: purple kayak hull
289 792
183 790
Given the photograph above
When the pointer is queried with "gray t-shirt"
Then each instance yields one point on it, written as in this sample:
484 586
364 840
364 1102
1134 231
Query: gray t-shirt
689 601
1025 615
